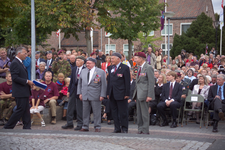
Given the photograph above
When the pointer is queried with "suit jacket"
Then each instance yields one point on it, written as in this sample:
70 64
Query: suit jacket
204 92
132 88
119 82
176 93
49 69
145 84
97 86
74 81
194 82
20 88
213 92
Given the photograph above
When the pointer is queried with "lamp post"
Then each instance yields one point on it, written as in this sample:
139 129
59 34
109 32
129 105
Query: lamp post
168 15
216 24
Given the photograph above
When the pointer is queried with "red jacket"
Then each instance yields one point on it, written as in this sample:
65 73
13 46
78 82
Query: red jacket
64 90
104 66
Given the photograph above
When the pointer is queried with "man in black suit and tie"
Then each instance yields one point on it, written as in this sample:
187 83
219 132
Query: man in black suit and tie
216 97
74 102
171 98
118 91
20 90
49 61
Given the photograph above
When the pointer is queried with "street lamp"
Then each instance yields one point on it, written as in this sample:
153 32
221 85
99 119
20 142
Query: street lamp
168 15
216 24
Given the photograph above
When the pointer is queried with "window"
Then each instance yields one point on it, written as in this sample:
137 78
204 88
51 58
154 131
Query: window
110 47
164 48
166 28
184 27
150 34
107 34
126 49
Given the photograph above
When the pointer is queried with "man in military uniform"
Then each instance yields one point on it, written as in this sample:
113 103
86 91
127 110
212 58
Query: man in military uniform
7 102
185 89
61 66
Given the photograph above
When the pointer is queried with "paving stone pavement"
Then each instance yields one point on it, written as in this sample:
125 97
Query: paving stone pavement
12 140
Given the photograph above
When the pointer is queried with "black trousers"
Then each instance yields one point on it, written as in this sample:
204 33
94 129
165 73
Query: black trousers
173 108
71 108
215 105
23 110
131 105
119 113
106 103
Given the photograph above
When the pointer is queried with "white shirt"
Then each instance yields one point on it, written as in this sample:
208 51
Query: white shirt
79 68
143 65
19 59
91 74
131 82
38 61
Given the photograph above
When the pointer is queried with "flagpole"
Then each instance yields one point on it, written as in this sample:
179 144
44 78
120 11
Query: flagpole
59 39
165 27
221 41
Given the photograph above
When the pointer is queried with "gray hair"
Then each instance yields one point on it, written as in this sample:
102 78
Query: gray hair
68 52
19 49
214 76
221 76
42 63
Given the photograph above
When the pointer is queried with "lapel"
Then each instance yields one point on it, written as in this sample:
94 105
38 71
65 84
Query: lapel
21 64
94 74
215 90
142 70
117 70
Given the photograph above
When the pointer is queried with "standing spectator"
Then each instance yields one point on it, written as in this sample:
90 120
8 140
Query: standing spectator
98 64
124 61
68 54
49 61
100 56
38 59
221 69
106 64
207 62
20 90
183 54
131 101
151 59
72 61
171 95
37 104
51 95
211 57
74 102
7 102
61 66
158 60
194 62
92 90
53 50
41 71
4 62
118 91
213 52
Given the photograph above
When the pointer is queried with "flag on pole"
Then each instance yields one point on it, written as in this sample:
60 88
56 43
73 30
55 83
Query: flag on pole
57 33
163 18
221 16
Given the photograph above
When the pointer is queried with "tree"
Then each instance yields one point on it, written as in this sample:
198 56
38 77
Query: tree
200 34
72 16
127 18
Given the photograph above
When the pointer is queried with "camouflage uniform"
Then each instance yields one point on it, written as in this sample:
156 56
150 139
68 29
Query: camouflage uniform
6 108
61 67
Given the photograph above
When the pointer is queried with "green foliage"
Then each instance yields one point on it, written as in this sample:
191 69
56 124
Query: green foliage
127 18
146 40
200 33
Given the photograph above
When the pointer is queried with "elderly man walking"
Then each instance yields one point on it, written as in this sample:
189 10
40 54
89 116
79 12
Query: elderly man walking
92 90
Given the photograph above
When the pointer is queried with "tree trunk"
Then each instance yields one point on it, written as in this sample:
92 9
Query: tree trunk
130 49
88 41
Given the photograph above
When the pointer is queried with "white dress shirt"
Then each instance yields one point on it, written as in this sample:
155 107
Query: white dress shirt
79 68
91 74
173 83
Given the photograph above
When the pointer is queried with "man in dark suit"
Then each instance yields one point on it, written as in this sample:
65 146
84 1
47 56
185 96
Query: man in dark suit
216 97
20 90
74 102
171 97
49 61
38 59
131 101
118 91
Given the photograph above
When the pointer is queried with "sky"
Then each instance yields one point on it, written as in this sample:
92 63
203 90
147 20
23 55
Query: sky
217 5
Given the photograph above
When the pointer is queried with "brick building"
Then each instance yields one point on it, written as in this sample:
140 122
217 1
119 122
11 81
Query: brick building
185 11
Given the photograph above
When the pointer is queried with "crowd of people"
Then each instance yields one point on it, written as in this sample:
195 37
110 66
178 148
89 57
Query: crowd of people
147 84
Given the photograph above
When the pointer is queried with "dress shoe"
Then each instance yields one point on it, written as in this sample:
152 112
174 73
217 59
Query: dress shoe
139 132
146 133
165 123
116 131
53 121
173 125
221 115
78 128
97 130
197 122
215 125
124 131
84 130
67 126
109 123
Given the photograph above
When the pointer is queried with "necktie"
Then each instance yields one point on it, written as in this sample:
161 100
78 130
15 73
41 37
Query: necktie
48 63
115 69
88 76
219 93
171 90
78 71
139 71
